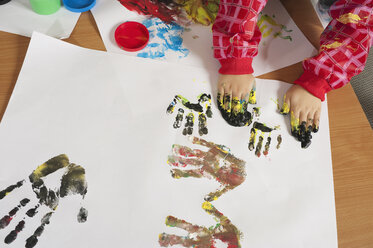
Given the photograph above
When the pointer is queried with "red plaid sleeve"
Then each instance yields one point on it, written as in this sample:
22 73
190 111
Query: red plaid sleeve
344 49
236 35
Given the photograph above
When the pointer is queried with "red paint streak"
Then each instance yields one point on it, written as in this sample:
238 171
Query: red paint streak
154 8
265 153
5 221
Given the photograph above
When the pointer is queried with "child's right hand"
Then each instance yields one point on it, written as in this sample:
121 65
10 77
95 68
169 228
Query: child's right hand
304 109
234 93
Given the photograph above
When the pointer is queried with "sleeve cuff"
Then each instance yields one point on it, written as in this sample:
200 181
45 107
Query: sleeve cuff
236 66
315 85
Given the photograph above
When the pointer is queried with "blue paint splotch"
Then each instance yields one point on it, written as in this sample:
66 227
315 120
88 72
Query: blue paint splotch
165 40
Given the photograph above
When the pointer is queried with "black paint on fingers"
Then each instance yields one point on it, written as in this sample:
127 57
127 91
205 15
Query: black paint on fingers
233 117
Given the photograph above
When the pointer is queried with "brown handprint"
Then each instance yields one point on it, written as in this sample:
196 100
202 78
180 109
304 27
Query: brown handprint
200 236
72 182
216 163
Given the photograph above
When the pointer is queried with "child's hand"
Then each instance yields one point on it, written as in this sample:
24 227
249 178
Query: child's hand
304 111
234 92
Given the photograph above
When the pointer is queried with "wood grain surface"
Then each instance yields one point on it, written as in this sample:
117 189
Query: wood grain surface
351 135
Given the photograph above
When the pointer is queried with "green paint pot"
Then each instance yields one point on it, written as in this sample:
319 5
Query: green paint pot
45 7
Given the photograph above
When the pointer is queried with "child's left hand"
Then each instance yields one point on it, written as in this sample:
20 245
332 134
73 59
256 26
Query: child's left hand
304 111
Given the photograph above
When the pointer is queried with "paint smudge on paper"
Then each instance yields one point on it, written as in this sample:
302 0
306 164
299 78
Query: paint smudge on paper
33 239
13 234
73 182
166 10
264 130
202 107
200 236
4 222
180 11
279 141
268 25
10 188
201 11
165 40
216 163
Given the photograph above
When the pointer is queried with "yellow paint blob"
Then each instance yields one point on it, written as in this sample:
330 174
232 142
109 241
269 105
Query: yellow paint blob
333 45
252 97
294 122
207 205
349 18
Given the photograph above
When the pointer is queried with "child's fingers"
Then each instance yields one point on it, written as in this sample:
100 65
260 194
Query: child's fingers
303 118
294 122
316 121
252 96
227 102
285 109
310 117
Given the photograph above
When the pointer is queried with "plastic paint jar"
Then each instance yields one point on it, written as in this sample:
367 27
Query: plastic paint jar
45 7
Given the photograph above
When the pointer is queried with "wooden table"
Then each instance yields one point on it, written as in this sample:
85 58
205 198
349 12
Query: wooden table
351 135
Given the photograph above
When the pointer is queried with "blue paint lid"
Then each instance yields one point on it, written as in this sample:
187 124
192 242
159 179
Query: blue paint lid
79 5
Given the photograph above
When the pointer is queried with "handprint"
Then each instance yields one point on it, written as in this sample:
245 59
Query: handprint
234 111
216 163
198 107
200 236
72 182
263 130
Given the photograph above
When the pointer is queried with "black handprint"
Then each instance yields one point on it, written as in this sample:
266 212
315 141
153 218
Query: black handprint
192 107
264 129
72 182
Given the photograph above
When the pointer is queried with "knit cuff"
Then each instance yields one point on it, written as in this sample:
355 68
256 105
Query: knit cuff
315 85
236 66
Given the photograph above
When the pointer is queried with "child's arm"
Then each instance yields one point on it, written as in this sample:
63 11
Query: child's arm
236 38
344 48
343 52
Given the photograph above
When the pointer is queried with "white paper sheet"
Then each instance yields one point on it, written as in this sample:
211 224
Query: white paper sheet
17 17
107 112
196 49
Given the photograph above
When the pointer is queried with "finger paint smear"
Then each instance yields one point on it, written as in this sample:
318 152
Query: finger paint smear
73 182
180 11
201 110
268 26
200 236
217 163
165 40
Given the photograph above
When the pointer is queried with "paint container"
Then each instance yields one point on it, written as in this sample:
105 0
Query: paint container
131 36
45 7
79 5
4 2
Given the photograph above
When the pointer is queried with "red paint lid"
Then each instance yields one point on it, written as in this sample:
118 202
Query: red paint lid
131 36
